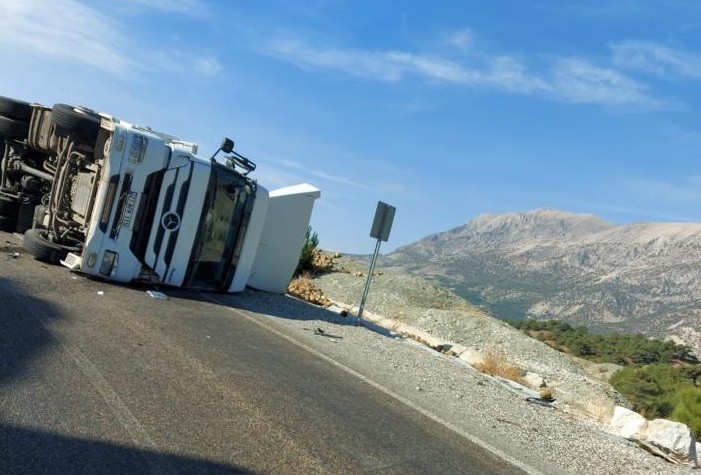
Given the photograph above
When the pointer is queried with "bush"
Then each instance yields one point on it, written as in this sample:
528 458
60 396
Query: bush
688 409
650 389
496 364
611 348
306 257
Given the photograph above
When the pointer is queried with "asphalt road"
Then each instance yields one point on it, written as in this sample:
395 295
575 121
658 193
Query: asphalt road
117 382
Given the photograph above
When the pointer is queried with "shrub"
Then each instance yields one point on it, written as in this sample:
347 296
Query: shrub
611 348
496 364
306 257
649 388
688 409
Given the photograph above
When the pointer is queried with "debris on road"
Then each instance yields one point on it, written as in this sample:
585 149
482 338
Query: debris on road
100 292
541 401
321 332
154 294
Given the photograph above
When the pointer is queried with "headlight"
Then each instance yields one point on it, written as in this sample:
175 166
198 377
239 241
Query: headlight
109 263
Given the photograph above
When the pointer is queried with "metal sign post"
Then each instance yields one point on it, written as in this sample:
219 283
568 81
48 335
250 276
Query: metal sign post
381 227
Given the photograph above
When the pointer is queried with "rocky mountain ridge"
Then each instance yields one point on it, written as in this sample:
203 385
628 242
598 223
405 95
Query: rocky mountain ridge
641 277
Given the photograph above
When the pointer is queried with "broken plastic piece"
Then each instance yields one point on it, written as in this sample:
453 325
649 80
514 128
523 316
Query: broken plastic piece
154 294
321 332
541 401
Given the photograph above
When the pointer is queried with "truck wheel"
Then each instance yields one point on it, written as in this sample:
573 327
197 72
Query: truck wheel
77 121
41 248
15 109
8 223
13 128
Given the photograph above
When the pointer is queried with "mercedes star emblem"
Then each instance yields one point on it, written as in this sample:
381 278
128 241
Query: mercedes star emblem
170 221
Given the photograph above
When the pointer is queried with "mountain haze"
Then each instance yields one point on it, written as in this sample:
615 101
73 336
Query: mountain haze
642 277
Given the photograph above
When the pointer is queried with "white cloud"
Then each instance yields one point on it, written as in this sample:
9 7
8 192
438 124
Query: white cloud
342 179
462 39
64 30
501 72
71 31
681 193
208 66
656 58
429 67
185 7
576 80
365 64
646 213
569 79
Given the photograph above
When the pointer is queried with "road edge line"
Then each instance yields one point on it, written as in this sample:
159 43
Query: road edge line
472 438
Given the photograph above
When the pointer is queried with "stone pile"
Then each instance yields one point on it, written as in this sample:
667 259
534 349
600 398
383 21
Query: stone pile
323 262
306 290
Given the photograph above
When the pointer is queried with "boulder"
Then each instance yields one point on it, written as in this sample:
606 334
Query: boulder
672 440
627 423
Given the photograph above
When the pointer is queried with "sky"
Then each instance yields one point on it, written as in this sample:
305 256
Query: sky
444 109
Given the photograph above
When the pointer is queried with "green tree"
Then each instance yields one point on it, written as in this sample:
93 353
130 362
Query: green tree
687 409
306 257
651 389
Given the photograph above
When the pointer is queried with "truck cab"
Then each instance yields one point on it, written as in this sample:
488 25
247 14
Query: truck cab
130 204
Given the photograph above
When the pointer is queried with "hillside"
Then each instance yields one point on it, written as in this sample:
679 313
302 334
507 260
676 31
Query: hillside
412 300
550 264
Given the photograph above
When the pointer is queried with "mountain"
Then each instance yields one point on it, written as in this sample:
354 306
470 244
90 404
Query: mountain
549 264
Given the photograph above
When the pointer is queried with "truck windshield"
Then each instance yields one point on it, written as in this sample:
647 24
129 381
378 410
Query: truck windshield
222 225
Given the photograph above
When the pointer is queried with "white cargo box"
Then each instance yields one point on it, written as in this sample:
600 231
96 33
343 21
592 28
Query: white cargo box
286 223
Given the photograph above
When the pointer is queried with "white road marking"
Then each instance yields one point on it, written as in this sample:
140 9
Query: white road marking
472 438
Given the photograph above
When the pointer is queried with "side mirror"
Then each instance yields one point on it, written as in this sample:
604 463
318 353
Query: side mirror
227 145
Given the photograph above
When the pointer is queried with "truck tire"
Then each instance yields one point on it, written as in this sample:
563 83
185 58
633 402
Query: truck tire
13 128
41 248
15 109
8 223
77 121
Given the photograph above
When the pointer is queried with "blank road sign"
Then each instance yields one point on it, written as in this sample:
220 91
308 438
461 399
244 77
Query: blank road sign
382 224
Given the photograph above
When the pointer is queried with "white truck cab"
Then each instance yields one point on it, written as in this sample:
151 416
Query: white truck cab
130 204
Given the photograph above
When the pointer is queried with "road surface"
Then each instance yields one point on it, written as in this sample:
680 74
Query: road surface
100 378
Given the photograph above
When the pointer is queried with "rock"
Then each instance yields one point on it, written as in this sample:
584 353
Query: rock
322 262
627 423
673 440
533 380
308 291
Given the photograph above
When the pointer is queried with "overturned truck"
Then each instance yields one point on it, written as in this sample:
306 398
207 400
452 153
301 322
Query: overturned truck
125 203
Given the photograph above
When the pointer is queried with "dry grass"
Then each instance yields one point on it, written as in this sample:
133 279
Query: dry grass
601 409
496 364
545 393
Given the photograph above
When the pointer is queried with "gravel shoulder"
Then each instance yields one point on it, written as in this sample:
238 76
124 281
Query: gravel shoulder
416 302
568 439
540 439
